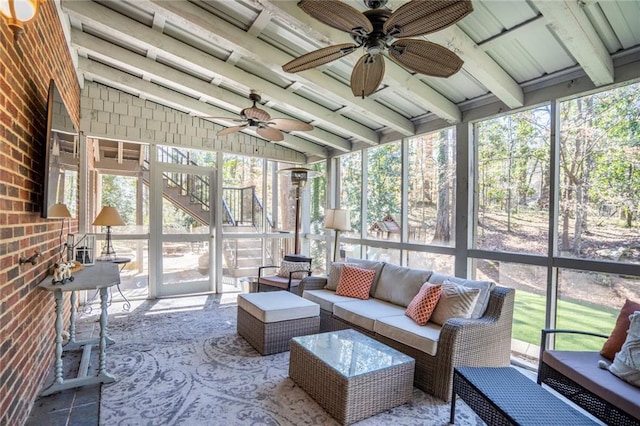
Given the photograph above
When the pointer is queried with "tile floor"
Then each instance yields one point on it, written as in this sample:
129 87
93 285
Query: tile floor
72 407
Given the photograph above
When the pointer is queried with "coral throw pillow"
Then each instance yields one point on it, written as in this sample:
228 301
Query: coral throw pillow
423 304
626 363
355 282
619 333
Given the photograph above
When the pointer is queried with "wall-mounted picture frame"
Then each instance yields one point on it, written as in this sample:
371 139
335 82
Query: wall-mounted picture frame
82 248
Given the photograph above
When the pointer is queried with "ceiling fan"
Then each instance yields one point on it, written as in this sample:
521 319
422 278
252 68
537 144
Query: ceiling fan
375 29
267 127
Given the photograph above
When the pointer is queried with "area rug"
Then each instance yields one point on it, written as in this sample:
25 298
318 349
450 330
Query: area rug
180 362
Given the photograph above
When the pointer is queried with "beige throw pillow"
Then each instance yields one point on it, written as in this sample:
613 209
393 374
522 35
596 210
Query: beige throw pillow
286 267
626 363
456 301
334 276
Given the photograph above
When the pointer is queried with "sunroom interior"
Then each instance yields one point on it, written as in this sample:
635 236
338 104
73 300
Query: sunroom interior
520 168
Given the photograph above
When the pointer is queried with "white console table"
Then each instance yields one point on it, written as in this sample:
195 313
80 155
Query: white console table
99 277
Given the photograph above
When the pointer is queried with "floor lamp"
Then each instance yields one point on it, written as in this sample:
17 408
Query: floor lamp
108 217
338 220
299 177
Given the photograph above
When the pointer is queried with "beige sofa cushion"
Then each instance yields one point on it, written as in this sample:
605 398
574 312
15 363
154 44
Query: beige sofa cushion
363 313
486 287
404 330
326 298
399 285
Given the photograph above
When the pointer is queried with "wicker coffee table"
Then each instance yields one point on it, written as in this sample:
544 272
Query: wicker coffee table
351 375
504 396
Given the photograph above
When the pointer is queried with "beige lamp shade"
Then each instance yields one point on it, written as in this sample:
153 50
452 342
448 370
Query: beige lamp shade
337 219
58 211
108 216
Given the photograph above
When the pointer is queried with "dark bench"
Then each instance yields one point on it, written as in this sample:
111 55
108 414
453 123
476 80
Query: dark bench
576 376
504 396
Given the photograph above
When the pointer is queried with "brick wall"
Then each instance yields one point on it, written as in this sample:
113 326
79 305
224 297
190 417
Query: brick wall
26 312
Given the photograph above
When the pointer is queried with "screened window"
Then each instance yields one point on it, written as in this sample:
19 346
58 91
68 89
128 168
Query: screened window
431 188
513 182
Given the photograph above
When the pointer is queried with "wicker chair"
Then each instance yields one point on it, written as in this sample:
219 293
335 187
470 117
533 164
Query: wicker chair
279 282
484 342
576 376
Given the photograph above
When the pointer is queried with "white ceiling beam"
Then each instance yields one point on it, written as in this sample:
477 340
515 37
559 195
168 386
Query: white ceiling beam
480 65
108 21
403 82
124 59
96 71
218 31
570 23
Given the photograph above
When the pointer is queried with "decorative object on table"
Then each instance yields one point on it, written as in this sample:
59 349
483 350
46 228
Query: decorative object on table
267 127
62 272
17 13
338 220
374 31
299 177
82 248
108 217
59 211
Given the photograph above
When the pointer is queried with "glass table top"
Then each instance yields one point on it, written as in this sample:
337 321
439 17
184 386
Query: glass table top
352 353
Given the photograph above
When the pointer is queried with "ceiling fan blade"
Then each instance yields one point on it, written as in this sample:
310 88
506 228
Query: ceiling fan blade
336 14
419 17
425 57
319 57
289 124
230 130
367 75
270 133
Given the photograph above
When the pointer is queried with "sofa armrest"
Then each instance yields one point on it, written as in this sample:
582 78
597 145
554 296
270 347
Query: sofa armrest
485 341
544 340
311 283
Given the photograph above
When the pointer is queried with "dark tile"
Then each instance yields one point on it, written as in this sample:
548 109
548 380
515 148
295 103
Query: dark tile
40 418
87 395
87 415
56 402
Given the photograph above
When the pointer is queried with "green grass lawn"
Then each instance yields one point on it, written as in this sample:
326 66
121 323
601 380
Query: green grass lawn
529 320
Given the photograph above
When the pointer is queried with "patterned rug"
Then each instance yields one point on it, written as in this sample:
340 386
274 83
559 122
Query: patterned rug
180 362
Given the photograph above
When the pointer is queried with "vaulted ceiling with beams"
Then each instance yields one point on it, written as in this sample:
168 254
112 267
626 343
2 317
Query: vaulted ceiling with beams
205 57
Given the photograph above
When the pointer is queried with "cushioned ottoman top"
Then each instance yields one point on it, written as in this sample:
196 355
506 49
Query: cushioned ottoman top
275 306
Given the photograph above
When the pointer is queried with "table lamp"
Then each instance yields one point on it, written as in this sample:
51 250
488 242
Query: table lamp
108 217
59 211
338 220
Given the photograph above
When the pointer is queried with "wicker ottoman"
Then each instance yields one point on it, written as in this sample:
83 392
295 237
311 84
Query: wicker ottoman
350 375
269 320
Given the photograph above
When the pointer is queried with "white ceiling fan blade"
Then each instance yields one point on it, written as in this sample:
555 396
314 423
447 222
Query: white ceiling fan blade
230 130
289 124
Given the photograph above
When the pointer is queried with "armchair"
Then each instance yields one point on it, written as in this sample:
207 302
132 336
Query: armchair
288 276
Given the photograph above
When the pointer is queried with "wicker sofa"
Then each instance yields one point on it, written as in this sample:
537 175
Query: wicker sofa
484 341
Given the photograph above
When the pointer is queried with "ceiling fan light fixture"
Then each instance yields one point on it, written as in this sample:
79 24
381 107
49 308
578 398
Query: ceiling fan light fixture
374 30
266 127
